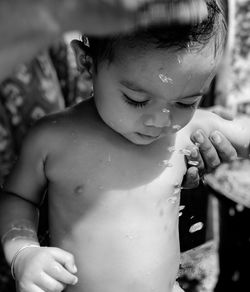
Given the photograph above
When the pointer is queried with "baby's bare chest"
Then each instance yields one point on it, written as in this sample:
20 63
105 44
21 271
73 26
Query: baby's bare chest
93 168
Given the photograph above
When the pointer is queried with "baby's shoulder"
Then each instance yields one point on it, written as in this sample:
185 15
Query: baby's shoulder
49 130
57 129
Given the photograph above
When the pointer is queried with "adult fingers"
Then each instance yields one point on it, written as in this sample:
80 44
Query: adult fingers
191 179
178 12
224 148
207 150
194 158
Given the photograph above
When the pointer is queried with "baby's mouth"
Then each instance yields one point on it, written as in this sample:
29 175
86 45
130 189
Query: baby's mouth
149 136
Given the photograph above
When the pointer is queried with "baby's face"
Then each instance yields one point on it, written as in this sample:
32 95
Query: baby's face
145 95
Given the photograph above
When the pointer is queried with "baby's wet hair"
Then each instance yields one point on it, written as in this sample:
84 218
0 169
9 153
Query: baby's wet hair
163 36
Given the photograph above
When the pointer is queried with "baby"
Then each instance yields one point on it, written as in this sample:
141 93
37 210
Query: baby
112 166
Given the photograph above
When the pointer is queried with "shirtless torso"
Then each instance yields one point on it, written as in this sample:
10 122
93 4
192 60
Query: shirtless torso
112 204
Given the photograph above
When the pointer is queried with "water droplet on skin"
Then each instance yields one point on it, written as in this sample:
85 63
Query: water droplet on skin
165 79
240 207
185 152
194 163
176 191
196 227
171 149
167 163
176 127
179 59
173 199
182 207
165 110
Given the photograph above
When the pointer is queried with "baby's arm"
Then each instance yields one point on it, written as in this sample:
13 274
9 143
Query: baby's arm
236 131
33 266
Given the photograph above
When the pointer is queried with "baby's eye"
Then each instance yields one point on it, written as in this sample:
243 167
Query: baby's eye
187 105
133 102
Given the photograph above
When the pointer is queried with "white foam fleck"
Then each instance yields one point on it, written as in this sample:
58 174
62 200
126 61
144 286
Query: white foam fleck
166 163
176 127
185 152
179 59
182 207
171 149
172 199
196 227
165 110
165 78
176 191
194 163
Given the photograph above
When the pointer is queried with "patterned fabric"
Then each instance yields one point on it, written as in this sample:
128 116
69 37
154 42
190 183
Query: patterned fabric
46 84
6 144
239 96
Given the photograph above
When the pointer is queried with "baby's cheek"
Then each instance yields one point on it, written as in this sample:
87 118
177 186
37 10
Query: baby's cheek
180 118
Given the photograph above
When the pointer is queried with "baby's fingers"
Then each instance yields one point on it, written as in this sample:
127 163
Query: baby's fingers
48 284
66 259
62 275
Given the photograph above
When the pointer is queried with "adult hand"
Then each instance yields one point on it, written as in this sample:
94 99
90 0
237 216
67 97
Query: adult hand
111 16
207 153
28 26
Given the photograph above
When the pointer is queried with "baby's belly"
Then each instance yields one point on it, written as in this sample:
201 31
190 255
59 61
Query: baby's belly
128 251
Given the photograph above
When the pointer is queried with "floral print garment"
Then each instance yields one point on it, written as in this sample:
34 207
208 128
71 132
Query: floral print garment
46 84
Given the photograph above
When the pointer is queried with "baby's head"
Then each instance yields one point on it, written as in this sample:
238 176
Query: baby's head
147 84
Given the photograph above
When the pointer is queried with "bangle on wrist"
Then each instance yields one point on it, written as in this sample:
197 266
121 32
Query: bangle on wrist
19 232
12 265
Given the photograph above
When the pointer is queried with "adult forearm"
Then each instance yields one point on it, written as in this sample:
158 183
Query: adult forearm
29 26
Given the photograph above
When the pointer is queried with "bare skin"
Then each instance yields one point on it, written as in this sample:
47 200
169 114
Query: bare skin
112 204
112 177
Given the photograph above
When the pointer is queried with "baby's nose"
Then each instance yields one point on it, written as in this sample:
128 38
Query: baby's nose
160 119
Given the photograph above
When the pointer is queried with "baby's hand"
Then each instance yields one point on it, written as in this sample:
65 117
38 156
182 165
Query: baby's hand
47 269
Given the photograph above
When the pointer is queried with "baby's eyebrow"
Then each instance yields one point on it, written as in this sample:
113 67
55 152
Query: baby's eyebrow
131 85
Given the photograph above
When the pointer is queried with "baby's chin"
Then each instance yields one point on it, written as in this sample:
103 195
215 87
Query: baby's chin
139 139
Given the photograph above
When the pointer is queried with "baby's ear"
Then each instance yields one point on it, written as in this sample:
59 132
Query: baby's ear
84 61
